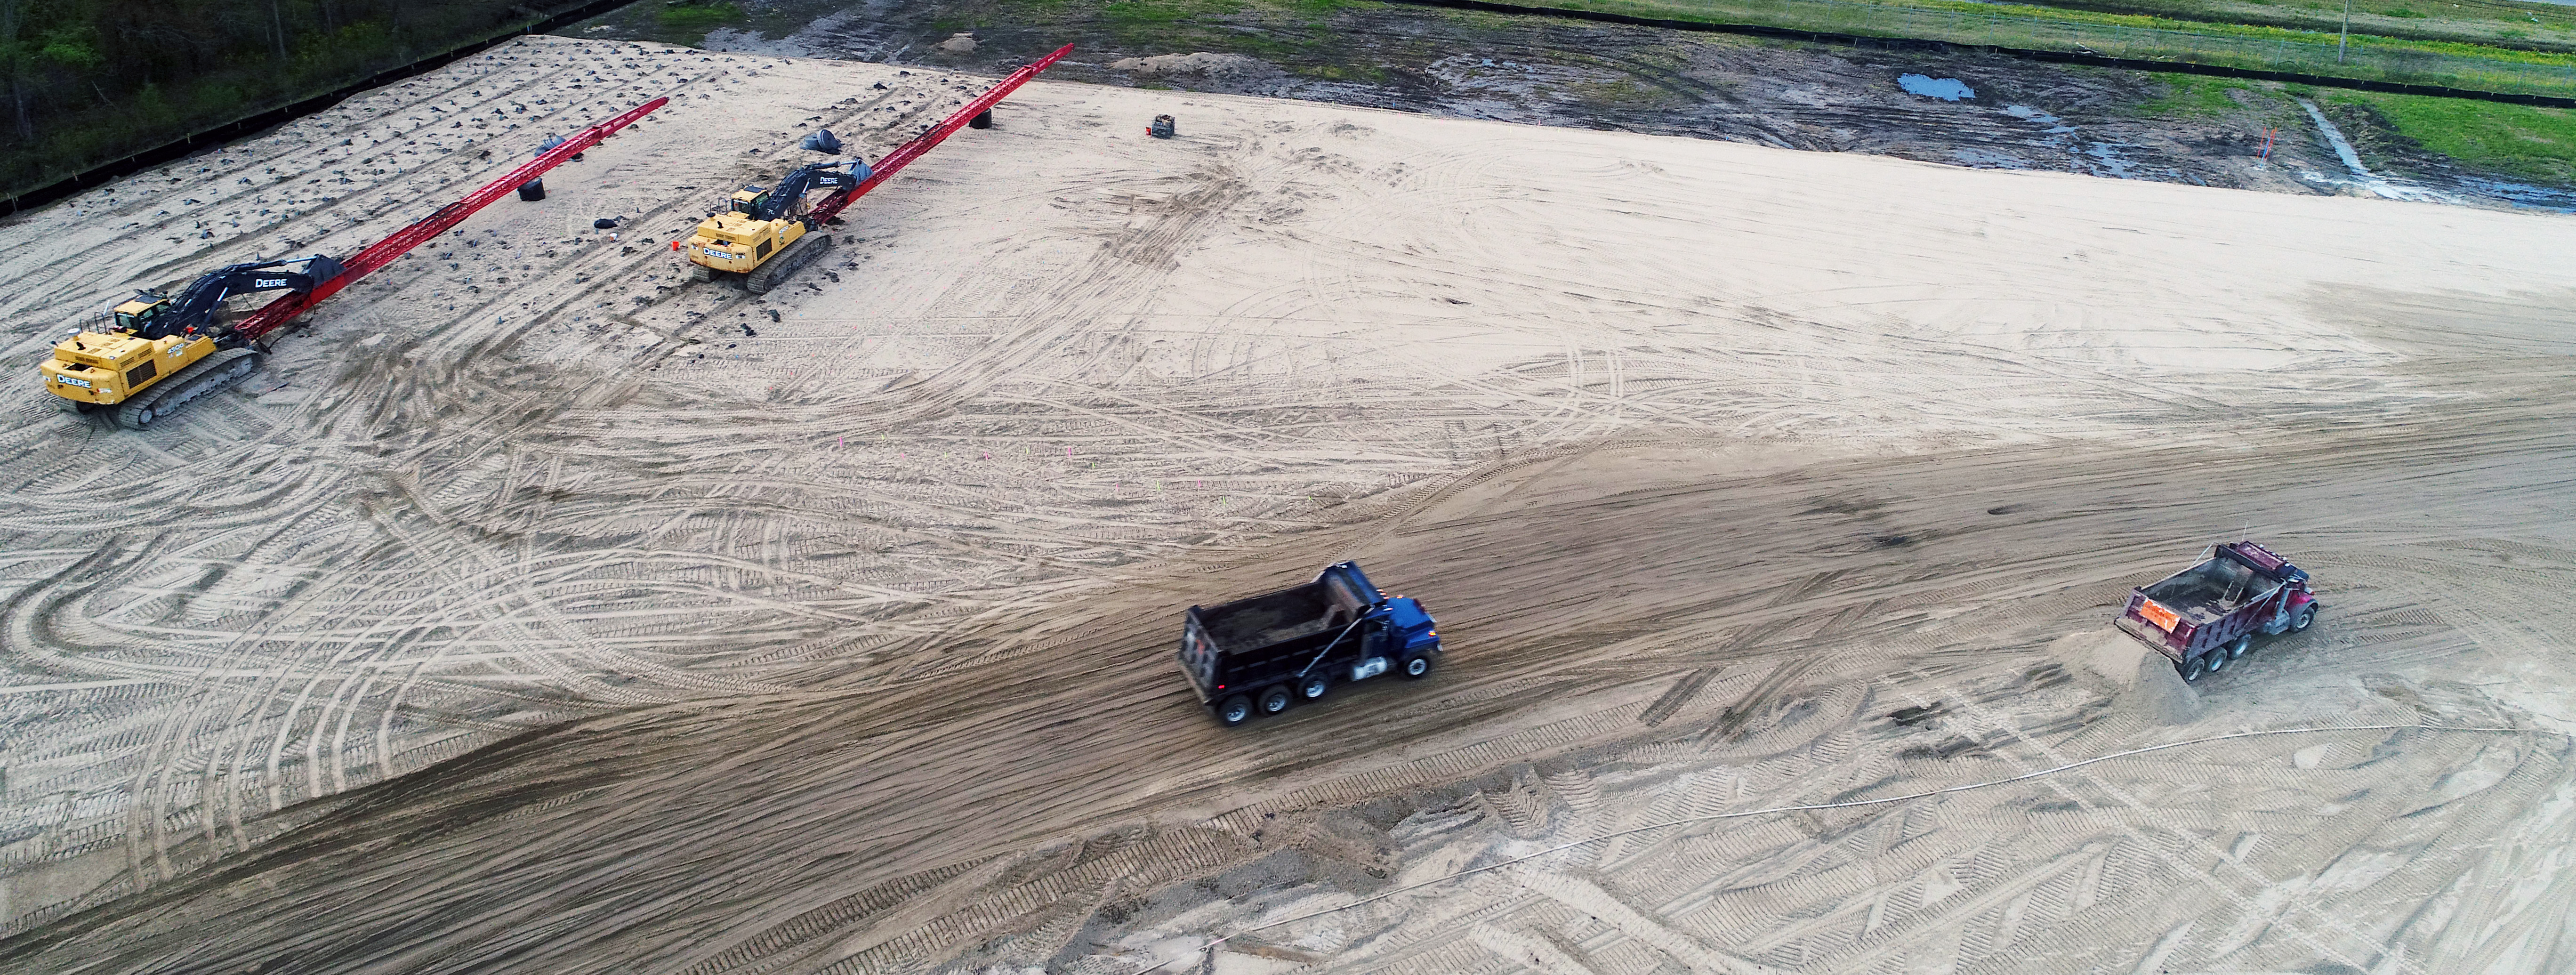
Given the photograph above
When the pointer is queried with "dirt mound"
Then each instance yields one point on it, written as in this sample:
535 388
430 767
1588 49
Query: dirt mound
2142 683
1201 63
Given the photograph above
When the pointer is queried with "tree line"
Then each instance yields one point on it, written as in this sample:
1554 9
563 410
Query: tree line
92 81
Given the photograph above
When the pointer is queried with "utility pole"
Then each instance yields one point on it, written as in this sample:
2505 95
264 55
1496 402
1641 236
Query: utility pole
2347 32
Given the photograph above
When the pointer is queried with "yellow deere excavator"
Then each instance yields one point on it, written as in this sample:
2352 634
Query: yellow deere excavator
763 235
172 346
766 223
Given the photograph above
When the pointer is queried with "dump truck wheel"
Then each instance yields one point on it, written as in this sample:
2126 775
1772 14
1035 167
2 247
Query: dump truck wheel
1274 700
2307 615
2217 661
1417 668
2238 648
1234 710
1314 687
2191 671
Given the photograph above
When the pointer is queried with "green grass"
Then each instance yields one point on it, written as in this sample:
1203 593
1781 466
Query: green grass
689 23
2511 23
2536 145
2448 63
1824 13
2520 141
1278 30
2193 96
1150 13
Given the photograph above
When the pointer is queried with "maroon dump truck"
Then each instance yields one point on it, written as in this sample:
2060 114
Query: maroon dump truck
2207 615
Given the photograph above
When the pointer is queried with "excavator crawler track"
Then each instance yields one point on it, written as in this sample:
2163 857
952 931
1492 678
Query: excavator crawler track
797 255
209 374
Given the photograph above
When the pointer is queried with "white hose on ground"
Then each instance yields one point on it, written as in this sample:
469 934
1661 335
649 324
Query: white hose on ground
1856 803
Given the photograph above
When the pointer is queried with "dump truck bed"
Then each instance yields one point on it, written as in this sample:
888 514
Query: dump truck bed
1272 618
2209 591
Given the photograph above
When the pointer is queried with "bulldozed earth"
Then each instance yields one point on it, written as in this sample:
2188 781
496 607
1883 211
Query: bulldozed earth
535 610
1975 106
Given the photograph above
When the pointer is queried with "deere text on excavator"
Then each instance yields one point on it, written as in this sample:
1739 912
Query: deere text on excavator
765 233
164 350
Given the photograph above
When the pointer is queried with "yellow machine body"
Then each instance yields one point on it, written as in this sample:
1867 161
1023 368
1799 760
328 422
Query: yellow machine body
107 368
737 243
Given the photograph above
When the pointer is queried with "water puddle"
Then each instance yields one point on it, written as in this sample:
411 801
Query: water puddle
2029 114
1945 89
2107 161
1988 159
2334 137
2522 194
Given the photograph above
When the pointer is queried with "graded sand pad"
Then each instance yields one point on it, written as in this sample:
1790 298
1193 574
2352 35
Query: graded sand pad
1741 477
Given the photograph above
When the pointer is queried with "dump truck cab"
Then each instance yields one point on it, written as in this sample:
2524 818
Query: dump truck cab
1409 629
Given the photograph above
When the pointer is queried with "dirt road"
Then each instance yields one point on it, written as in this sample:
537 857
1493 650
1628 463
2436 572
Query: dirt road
1737 477
1712 641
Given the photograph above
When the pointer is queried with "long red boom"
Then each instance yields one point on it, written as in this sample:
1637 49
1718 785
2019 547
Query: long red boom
383 252
904 154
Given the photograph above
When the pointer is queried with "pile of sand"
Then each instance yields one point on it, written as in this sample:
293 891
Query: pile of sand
2142 683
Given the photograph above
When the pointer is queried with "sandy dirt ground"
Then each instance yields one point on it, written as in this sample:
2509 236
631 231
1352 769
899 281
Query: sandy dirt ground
534 611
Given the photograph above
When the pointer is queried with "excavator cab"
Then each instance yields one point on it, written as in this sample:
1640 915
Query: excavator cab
750 199
137 315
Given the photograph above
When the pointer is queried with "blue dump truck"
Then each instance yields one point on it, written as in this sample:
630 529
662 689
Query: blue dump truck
1295 644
